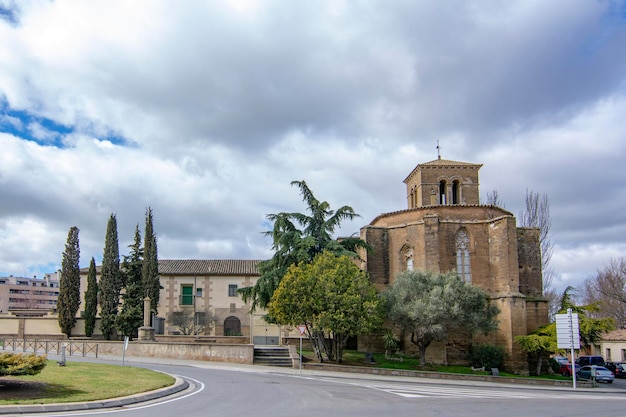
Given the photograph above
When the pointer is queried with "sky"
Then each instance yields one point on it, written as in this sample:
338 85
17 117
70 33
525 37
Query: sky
205 111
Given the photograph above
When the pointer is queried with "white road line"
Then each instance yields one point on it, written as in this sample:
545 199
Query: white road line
129 407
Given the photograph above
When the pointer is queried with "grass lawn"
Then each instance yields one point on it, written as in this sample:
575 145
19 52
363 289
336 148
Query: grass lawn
79 381
354 358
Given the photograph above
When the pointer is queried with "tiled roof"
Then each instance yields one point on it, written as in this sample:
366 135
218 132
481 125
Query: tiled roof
617 335
435 207
441 163
447 162
209 267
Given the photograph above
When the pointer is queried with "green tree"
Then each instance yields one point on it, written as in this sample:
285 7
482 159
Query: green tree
293 245
16 364
431 305
150 266
111 280
591 328
332 297
542 342
69 285
539 345
130 317
91 299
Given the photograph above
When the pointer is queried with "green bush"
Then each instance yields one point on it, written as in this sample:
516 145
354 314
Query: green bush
487 356
18 364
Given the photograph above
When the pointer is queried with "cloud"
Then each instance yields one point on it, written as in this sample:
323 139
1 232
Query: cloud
207 111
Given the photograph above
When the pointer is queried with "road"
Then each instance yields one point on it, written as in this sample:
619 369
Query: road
261 391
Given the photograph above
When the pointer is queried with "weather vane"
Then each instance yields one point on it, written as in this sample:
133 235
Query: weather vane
438 150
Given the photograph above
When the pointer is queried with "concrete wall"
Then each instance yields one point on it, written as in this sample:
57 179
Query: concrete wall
40 327
233 353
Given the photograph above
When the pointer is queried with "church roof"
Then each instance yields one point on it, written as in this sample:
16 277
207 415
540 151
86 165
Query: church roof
426 209
448 162
442 163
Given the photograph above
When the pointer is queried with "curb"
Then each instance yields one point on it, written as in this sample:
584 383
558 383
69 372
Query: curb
179 385
441 375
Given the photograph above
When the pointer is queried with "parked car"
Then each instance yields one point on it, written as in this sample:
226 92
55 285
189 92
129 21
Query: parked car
561 359
566 369
618 369
590 360
602 374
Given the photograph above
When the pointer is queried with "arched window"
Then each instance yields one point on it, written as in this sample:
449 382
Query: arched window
409 259
442 193
463 256
232 326
406 257
456 192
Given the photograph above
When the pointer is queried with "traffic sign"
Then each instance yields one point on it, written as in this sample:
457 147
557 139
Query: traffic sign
302 329
567 331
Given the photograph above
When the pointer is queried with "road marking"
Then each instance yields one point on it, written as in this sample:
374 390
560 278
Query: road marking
128 407
456 391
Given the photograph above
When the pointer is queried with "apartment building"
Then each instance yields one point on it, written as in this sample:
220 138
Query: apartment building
20 296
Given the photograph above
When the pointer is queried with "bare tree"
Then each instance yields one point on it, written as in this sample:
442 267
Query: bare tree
608 290
189 322
493 199
537 214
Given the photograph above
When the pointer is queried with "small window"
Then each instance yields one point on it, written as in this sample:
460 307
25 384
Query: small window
456 192
199 292
186 297
442 193
232 290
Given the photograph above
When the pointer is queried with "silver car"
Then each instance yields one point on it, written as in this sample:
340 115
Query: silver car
602 374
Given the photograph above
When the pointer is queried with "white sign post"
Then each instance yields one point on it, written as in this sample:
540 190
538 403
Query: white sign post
568 336
125 347
302 329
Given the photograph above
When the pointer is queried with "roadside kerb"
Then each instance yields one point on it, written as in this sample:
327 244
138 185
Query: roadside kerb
178 386
440 375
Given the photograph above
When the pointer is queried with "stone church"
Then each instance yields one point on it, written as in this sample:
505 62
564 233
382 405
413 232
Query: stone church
445 228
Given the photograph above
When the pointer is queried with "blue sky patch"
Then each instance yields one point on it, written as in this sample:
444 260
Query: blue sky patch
9 14
44 131
31 127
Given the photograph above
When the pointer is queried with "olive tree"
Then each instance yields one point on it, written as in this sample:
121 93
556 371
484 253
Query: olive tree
429 305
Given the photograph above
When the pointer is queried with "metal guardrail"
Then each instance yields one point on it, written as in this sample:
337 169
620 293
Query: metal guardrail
73 348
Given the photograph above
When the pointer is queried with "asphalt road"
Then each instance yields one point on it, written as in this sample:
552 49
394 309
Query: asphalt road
265 392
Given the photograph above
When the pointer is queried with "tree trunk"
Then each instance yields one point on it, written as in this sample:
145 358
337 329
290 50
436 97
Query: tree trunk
539 363
313 338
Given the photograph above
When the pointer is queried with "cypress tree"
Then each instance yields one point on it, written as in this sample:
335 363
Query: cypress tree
111 281
69 285
150 268
131 316
91 299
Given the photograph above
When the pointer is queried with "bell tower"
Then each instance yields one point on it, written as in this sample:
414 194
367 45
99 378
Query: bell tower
443 182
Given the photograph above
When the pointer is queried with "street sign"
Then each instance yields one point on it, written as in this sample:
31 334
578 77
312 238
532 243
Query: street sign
302 329
567 331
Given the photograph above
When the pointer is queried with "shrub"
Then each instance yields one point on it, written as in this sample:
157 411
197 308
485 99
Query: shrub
487 356
17 364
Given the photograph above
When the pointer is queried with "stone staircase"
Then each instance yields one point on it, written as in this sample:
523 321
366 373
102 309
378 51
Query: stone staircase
272 356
